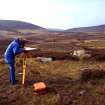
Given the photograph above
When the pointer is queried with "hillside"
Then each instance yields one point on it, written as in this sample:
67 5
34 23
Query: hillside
100 28
5 28
14 25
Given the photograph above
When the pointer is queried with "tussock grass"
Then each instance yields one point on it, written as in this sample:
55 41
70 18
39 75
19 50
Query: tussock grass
62 79
95 43
88 74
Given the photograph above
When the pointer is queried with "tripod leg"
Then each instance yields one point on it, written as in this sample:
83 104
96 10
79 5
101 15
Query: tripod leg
24 71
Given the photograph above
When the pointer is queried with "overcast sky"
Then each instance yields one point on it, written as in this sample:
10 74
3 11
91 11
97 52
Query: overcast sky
62 14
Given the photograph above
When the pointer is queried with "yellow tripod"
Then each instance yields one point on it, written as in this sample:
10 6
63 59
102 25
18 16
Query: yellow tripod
24 69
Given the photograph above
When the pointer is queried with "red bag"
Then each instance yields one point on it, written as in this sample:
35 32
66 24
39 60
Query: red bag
40 86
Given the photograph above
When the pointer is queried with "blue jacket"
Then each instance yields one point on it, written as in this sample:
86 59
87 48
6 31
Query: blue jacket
12 50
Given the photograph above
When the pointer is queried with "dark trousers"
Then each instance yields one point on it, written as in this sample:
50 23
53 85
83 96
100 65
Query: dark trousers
12 74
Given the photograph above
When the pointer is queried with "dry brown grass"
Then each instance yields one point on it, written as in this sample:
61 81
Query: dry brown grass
89 74
62 77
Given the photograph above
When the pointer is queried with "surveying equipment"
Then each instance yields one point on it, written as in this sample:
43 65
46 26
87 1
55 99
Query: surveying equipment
24 69
24 57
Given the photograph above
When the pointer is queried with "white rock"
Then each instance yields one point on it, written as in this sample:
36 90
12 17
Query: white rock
44 59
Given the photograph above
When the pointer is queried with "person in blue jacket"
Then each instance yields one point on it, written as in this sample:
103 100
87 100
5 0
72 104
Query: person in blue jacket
14 48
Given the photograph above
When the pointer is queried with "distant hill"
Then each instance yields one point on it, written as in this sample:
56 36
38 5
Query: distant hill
100 28
12 25
55 30
5 28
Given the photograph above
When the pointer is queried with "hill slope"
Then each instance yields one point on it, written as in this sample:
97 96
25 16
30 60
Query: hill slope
14 25
100 28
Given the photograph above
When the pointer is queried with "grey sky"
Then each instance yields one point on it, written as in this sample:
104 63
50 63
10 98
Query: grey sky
62 14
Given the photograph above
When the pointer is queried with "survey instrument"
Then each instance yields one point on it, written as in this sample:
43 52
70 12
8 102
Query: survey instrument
25 62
